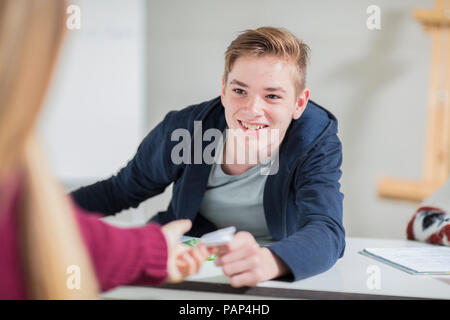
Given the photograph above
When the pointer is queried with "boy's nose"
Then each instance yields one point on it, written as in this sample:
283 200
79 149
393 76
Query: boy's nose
255 106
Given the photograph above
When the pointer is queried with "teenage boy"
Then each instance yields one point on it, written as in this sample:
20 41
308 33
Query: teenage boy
290 195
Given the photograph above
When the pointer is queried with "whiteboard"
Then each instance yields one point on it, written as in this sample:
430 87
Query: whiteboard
94 113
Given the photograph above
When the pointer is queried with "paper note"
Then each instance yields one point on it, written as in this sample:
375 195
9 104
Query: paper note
416 260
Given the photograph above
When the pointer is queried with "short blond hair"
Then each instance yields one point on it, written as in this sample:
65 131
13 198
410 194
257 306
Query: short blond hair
270 41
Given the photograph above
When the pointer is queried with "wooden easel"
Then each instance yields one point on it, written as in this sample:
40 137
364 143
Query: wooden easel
437 158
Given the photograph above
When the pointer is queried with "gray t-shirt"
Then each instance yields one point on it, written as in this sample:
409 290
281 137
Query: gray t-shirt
236 200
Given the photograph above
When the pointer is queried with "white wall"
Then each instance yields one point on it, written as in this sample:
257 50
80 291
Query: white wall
95 113
375 82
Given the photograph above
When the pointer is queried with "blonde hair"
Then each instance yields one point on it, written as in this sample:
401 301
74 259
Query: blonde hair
31 32
270 41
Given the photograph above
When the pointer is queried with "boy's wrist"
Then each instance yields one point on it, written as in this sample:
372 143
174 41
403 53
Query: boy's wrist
275 266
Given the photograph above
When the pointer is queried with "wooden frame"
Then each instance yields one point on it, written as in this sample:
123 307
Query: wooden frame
437 156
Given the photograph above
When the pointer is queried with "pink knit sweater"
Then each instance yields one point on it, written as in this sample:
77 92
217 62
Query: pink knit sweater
136 256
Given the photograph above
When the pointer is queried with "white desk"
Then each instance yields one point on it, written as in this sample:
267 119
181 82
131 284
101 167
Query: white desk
347 279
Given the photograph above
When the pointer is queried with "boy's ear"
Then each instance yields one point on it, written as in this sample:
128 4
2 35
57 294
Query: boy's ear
223 86
302 101
222 92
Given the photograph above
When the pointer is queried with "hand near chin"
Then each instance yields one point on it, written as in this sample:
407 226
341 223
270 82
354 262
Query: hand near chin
246 263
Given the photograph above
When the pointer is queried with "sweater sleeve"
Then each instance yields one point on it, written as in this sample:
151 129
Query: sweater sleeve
133 256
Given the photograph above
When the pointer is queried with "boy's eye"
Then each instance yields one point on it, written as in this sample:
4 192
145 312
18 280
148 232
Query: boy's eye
273 96
239 91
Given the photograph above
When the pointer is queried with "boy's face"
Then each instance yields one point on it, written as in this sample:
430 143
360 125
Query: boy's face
260 94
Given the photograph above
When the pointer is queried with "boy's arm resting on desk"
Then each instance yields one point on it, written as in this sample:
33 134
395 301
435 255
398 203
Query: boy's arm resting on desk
320 238
145 176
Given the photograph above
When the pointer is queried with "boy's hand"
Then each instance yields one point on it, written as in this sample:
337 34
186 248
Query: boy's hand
246 263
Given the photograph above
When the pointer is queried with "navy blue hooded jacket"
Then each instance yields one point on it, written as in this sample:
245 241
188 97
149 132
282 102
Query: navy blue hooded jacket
302 201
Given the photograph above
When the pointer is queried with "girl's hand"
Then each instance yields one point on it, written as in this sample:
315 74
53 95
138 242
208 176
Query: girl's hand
183 261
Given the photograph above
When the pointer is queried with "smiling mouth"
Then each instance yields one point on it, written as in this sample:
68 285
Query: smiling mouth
252 127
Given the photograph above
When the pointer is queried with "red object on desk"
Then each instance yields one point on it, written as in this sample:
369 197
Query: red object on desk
430 224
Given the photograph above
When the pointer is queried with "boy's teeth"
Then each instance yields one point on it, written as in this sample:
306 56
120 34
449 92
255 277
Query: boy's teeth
252 127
